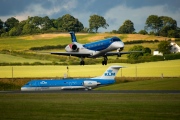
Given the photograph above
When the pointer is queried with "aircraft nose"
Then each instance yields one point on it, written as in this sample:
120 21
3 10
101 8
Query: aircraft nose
22 89
119 45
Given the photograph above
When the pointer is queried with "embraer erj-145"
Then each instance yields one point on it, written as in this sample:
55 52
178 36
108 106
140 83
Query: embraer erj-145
64 84
94 49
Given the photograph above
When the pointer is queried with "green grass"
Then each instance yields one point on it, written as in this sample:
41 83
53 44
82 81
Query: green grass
155 84
89 106
25 42
22 44
17 59
152 69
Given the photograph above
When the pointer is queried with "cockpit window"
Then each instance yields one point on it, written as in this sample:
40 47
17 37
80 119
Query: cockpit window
115 39
28 84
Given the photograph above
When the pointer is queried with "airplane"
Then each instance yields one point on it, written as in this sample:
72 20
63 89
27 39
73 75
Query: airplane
107 78
94 49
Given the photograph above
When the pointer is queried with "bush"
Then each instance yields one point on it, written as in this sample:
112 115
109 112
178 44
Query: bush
172 56
144 32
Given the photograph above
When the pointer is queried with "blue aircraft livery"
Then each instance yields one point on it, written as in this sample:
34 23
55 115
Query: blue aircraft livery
95 49
107 78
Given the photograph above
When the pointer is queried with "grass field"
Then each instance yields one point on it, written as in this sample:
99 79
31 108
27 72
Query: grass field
145 84
17 59
26 42
86 106
152 69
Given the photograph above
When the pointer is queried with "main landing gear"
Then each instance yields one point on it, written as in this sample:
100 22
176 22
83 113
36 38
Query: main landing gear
82 61
104 62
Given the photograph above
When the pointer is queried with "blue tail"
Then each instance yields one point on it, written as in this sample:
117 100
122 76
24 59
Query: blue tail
73 36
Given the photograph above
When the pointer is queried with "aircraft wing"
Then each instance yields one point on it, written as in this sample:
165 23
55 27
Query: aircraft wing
72 54
121 53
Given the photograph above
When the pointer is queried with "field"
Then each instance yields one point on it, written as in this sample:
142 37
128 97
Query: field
151 69
144 84
89 106
80 106
18 59
26 42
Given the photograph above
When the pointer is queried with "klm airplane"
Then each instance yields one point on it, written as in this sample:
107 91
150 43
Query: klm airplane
94 49
69 84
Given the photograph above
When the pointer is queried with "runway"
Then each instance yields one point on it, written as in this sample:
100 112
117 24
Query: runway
98 92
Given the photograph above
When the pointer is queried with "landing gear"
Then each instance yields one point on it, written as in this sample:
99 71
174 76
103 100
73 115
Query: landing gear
105 60
82 61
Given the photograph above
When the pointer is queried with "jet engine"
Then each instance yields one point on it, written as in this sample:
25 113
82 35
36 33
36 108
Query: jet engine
72 48
90 83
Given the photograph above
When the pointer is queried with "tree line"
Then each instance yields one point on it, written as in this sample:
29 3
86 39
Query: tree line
156 25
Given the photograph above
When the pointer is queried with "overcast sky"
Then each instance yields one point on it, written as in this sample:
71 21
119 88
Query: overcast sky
114 11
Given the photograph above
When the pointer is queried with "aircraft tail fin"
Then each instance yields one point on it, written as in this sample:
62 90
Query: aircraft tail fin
110 73
73 36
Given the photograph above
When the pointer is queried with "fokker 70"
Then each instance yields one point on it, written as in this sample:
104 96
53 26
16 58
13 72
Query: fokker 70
69 84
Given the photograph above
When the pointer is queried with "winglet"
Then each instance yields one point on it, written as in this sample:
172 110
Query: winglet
73 36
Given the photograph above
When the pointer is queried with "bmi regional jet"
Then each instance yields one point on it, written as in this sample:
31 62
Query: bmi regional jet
94 49
70 84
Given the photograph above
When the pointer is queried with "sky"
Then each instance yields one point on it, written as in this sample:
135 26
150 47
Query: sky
114 11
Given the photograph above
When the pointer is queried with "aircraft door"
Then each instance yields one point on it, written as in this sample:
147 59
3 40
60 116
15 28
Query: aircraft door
37 87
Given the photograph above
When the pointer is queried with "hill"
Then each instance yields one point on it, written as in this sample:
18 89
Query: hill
26 42
97 36
23 44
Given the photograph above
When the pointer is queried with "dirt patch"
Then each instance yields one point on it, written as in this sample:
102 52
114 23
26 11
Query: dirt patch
131 37
48 36
100 36
95 37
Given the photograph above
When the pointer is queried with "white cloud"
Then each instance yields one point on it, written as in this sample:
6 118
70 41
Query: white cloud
114 16
117 15
38 9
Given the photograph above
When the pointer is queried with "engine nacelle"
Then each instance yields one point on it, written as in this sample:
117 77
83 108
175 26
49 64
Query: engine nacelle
72 48
90 83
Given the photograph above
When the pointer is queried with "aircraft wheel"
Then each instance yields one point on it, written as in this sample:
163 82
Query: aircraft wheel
105 62
102 62
82 63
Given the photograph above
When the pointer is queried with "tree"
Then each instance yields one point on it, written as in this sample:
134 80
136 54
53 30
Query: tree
1 24
144 32
169 24
37 21
69 23
147 51
96 21
127 27
46 23
135 56
153 22
1 27
164 47
10 23
17 30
